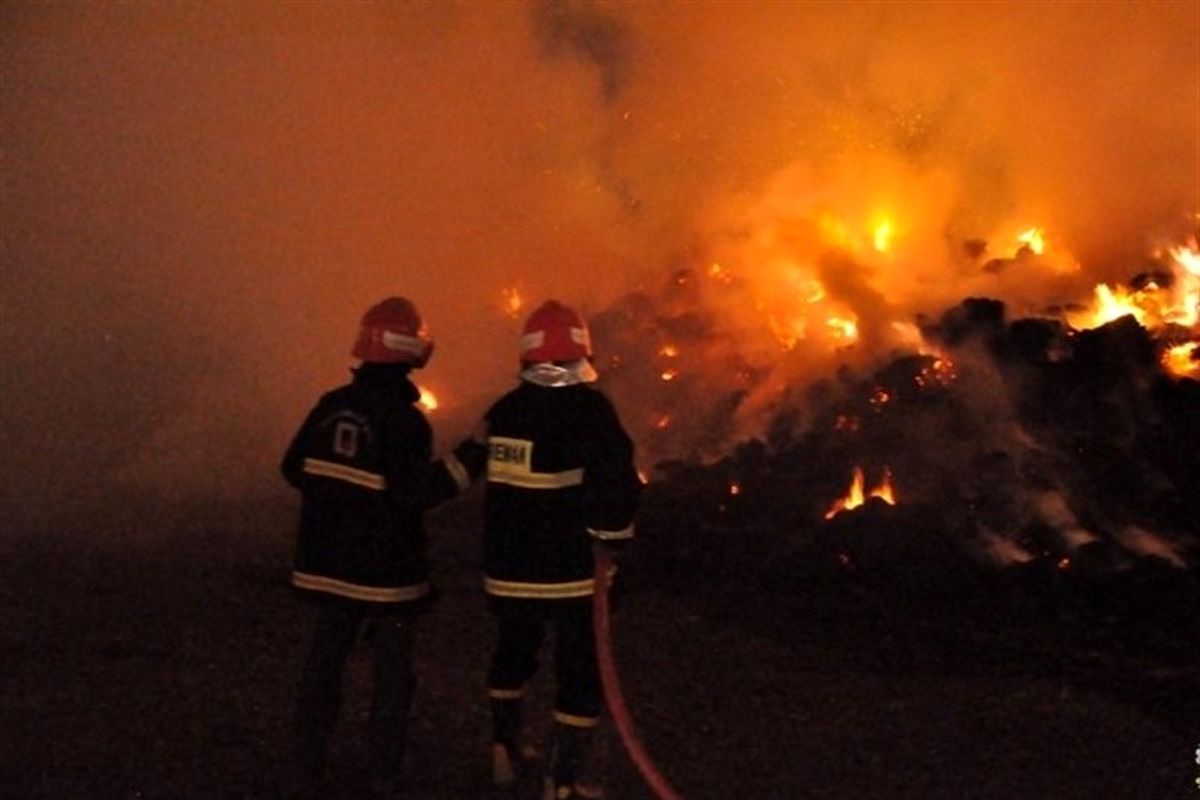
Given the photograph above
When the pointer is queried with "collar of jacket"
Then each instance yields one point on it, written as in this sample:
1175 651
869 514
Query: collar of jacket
388 377
546 373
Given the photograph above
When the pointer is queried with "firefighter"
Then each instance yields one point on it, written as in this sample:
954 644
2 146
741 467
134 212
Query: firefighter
362 461
560 481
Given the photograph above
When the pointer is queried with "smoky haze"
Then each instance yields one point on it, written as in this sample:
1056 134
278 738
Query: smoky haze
200 200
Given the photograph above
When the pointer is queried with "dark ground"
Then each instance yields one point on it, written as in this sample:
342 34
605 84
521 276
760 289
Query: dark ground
157 659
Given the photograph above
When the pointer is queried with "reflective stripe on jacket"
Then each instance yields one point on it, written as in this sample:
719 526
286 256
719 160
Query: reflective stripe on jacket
362 461
560 475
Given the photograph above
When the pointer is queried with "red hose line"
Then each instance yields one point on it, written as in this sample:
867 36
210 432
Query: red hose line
612 684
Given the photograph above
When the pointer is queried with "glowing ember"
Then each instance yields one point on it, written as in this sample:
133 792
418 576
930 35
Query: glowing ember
735 488
662 422
1064 564
513 302
940 372
879 398
1034 240
643 477
1182 360
668 351
428 399
846 422
670 374
717 272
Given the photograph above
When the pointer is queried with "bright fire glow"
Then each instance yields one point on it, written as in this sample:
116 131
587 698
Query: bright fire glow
883 236
843 328
1153 305
428 399
670 374
1181 360
1109 304
668 351
1034 240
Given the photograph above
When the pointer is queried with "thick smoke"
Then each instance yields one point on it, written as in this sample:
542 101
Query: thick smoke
199 201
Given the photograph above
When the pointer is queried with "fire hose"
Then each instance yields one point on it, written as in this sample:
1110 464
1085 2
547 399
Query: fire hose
622 719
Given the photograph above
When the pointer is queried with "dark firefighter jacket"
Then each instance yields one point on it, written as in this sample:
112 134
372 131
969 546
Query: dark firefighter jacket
560 476
362 462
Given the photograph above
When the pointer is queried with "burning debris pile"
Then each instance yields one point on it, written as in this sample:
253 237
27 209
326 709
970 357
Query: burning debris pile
1063 448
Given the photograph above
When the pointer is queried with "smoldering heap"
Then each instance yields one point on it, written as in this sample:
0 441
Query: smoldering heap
1025 453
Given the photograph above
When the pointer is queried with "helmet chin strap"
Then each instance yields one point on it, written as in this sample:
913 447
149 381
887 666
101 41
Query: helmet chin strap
546 373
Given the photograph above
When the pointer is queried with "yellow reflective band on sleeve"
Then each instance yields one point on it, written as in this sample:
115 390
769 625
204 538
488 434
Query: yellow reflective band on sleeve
574 721
458 472
612 536
510 462
340 472
506 694
355 591
539 591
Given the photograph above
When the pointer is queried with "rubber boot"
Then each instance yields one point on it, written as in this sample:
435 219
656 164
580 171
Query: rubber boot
568 755
509 757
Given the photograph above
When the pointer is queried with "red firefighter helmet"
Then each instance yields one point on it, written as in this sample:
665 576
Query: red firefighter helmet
392 332
555 332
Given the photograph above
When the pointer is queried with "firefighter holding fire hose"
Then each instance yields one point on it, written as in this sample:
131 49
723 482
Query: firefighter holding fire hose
560 481
362 461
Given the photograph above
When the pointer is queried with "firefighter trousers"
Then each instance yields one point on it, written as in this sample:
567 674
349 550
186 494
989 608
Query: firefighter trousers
391 631
521 627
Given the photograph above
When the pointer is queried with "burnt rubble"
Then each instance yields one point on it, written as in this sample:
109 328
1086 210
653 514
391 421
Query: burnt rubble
1040 473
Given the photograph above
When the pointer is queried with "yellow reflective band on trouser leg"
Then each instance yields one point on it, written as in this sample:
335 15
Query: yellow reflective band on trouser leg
539 591
355 591
611 536
576 721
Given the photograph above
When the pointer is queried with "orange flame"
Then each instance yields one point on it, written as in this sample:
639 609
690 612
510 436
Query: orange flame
1109 304
1034 240
1181 361
428 399
843 328
855 497
670 374
1151 305
884 491
668 351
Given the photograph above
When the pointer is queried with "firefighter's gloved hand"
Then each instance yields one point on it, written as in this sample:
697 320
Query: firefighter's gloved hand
472 455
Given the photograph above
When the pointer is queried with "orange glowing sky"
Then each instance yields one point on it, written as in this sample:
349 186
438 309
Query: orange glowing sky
200 199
